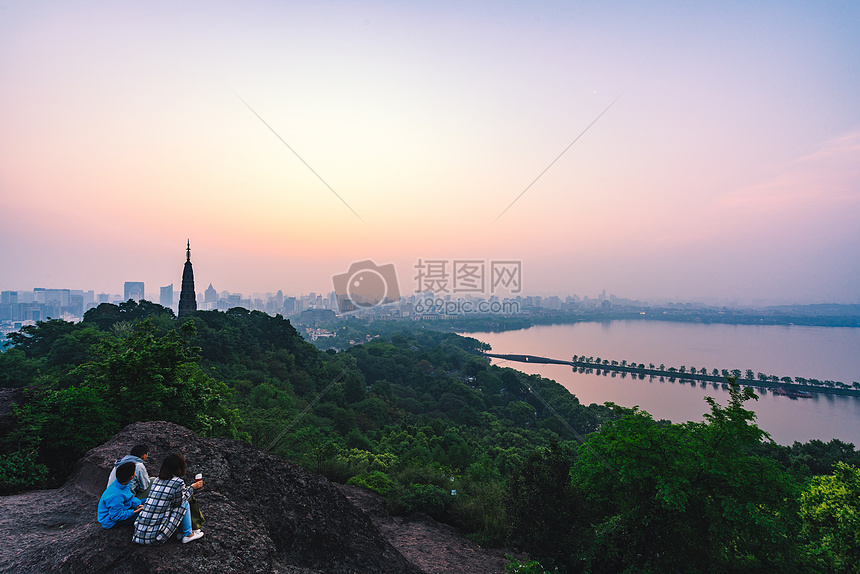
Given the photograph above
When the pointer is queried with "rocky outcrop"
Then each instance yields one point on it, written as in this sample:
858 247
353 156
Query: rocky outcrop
263 514
434 547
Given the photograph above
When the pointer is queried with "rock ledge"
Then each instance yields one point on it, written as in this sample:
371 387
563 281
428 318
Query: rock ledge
263 514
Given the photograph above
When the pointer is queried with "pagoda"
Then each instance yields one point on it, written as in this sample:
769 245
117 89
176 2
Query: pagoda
187 297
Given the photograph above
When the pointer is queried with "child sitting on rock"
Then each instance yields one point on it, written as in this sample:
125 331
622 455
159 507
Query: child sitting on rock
140 481
118 505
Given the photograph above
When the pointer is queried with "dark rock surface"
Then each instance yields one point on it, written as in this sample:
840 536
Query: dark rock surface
263 514
434 547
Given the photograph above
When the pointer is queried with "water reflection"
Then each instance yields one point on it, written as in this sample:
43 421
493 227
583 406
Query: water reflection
795 351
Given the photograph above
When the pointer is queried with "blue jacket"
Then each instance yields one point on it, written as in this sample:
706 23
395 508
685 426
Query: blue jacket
117 503
139 484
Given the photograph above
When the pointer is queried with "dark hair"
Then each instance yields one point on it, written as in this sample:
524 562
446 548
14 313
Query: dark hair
124 472
139 450
173 465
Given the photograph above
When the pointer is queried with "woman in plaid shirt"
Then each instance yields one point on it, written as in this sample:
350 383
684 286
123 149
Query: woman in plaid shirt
166 506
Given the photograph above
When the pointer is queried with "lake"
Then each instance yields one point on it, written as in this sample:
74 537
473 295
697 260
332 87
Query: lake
812 352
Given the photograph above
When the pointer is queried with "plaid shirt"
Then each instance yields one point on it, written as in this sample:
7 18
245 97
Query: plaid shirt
162 511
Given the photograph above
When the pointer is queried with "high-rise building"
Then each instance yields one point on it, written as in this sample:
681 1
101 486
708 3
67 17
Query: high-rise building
210 295
76 305
55 302
166 298
89 299
290 305
187 297
8 305
133 290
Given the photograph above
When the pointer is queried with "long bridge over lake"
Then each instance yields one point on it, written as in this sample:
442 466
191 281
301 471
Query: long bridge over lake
795 390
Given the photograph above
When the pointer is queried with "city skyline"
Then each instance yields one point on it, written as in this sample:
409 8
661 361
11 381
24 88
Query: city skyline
720 158
95 296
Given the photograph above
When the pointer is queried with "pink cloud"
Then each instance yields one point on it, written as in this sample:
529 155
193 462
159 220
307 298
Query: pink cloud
826 178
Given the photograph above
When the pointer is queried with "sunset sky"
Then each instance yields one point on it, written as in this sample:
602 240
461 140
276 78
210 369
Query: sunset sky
727 169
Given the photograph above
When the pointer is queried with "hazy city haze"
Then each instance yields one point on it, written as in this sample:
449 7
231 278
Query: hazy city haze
729 168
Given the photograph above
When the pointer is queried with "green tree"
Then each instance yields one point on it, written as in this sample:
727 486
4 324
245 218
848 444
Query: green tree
265 396
354 387
314 446
106 315
427 498
382 388
70 421
37 340
693 497
540 504
16 370
157 378
520 412
830 511
139 377
21 470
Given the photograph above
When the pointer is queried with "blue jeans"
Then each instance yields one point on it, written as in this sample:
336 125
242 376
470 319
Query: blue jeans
186 519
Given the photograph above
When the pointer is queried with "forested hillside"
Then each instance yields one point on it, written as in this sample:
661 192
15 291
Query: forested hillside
419 417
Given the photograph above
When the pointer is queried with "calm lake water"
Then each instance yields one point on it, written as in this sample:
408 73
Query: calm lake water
812 352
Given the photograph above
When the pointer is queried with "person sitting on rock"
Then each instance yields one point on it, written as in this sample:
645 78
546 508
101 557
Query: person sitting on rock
118 505
166 508
140 482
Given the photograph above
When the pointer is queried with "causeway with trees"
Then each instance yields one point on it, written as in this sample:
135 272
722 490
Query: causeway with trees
794 386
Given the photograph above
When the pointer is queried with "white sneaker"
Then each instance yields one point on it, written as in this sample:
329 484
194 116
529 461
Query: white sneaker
180 536
194 536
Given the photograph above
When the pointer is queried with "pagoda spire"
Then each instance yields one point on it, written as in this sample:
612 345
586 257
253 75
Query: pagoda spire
187 297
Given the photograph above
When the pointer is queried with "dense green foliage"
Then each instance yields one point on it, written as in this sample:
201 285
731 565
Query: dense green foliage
419 417
830 509
83 384
691 496
542 503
